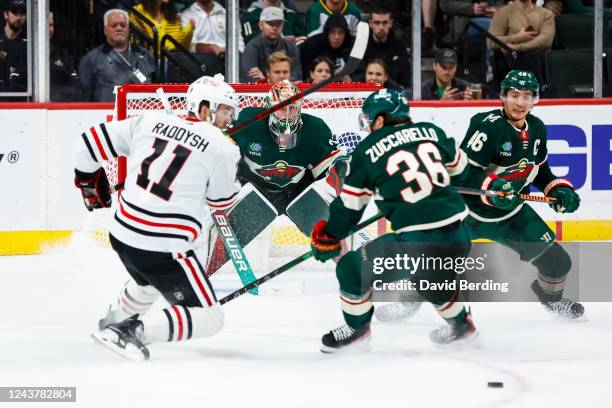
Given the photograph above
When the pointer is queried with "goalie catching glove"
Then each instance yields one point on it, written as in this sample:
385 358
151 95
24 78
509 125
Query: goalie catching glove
323 246
94 188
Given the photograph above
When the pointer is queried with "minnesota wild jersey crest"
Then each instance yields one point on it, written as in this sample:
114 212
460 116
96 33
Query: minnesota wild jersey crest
519 173
280 173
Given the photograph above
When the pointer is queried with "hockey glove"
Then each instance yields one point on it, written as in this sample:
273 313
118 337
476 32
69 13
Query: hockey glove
568 200
94 188
323 246
510 198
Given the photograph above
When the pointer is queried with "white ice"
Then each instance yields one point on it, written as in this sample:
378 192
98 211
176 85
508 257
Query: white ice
268 353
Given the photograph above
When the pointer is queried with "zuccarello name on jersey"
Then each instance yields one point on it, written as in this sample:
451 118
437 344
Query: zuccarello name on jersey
403 136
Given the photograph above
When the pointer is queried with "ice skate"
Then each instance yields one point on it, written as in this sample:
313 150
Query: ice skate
346 338
458 333
124 338
393 312
565 308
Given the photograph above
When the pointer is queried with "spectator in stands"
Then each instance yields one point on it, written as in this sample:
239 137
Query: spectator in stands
254 60
383 44
527 29
320 70
444 85
62 69
13 48
209 36
318 13
377 71
162 13
334 43
278 68
460 12
428 34
293 28
116 62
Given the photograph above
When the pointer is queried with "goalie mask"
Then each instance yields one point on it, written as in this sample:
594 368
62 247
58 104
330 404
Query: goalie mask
216 92
286 122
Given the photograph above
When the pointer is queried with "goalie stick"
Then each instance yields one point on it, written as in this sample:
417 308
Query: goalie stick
491 193
291 264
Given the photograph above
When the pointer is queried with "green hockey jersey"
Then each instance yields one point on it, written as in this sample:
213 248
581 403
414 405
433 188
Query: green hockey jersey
318 13
495 146
407 169
277 169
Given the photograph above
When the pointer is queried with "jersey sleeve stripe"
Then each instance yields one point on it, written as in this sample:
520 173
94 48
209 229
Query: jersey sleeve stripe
485 186
323 164
356 191
217 200
148 233
139 220
88 145
458 165
475 163
161 215
98 143
108 140
560 182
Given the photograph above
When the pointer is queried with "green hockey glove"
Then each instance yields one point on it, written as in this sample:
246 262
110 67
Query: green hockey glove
568 200
510 199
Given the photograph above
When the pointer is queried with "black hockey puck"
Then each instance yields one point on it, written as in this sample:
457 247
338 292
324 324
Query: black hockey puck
495 384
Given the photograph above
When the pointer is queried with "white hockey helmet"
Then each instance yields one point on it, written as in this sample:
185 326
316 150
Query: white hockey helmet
213 90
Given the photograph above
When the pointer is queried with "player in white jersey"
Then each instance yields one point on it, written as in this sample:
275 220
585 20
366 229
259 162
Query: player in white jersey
177 169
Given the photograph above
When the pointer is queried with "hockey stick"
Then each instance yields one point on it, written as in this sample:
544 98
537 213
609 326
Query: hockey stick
491 193
355 58
230 242
291 264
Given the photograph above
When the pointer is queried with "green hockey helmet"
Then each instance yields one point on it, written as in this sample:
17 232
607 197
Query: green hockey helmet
391 103
521 80
286 122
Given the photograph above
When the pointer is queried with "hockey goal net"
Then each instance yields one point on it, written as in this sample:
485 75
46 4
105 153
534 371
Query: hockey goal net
337 104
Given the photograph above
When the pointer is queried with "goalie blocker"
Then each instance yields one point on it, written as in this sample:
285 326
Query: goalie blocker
253 213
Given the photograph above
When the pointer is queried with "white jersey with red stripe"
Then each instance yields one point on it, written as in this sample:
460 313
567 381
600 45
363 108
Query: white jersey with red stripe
177 169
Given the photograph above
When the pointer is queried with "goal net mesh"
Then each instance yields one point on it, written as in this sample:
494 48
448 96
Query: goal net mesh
337 104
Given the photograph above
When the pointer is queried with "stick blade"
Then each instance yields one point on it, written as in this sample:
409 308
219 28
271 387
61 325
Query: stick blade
361 40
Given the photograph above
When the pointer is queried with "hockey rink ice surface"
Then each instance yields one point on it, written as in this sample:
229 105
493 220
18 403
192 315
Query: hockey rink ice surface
268 353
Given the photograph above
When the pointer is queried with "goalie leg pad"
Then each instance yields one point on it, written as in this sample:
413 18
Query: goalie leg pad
310 206
248 218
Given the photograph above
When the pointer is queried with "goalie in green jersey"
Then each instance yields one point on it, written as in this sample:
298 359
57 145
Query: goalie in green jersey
290 165
507 152
407 168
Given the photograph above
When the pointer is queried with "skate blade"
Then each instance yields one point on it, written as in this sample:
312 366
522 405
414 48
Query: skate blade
472 342
109 340
361 346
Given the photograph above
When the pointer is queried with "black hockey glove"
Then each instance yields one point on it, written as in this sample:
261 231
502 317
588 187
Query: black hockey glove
94 188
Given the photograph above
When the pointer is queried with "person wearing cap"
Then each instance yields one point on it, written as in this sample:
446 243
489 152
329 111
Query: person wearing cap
209 36
14 48
319 11
334 43
254 60
444 85
293 29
